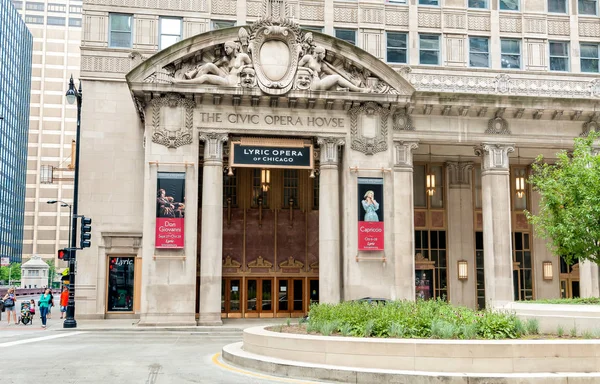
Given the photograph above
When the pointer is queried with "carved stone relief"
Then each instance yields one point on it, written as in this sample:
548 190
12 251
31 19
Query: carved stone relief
401 120
369 128
497 126
592 125
173 136
276 56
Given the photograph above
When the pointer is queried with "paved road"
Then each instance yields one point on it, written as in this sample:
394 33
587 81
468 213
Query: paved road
119 357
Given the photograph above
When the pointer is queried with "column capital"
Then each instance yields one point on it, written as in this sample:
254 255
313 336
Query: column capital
213 147
494 156
403 154
459 173
329 149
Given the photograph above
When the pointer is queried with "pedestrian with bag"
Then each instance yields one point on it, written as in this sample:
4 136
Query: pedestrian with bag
10 300
43 305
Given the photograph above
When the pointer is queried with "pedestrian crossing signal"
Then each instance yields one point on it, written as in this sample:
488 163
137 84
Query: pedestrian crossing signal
63 254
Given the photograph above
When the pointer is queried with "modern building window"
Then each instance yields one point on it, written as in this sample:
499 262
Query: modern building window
396 1
30 6
397 47
589 57
220 24
74 9
559 56
120 30
312 28
57 7
510 53
479 52
34 19
429 2
53 20
429 49
557 6
74 22
588 7
120 284
17 4
482 4
170 31
348 35
509 5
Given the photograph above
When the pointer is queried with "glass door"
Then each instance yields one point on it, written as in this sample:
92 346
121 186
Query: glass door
259 297
230 297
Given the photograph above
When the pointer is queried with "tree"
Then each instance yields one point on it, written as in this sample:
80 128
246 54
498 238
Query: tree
14 270
51 272
570 201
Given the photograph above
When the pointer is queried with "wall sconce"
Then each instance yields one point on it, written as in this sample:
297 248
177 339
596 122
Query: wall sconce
463 270
548 272
430 183
265 179
520 184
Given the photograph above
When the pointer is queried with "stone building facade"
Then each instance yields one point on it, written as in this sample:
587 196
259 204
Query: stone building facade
323 151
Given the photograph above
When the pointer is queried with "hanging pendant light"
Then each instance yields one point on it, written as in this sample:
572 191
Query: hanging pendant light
520 184
430 183
265 179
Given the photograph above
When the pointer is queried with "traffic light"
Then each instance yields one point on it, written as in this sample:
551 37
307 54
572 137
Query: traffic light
63 254
85 236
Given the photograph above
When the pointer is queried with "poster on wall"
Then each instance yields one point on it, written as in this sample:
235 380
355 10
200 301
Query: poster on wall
170 210
370 214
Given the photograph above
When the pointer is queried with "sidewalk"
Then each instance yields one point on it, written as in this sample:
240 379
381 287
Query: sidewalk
116 325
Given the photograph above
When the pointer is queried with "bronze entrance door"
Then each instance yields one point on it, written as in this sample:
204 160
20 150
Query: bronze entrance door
291 297
259 297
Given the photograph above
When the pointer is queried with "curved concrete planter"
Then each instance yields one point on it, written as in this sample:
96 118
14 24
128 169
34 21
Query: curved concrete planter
518 361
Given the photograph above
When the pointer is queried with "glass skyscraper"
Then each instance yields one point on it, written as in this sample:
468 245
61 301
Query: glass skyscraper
16 45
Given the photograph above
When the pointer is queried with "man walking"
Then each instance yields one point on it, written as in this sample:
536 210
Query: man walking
64 301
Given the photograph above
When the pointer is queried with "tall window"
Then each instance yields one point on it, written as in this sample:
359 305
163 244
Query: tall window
230 189
479 52
509 5
559 56
432 245
316 182
290 187
120 31
170 31
396 47
588 7
557 6
429 49
522 273
348 35
479 270
220 24
589 57
510 53
478 4
258 192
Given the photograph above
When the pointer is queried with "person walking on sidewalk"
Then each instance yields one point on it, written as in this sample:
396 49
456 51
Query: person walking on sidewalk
10 300
64 301
49 315
44 304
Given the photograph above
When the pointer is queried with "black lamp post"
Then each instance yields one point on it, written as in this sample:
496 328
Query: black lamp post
73 95
63 204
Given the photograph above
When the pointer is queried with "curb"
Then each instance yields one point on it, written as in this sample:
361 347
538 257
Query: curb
194 330
234 353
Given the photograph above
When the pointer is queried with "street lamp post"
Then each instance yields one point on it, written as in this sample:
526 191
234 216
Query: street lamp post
73 95
63 204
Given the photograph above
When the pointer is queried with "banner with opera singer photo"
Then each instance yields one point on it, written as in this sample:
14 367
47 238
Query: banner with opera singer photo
370 214
170 210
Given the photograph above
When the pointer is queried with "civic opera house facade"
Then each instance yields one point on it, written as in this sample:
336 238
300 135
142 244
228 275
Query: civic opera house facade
253 170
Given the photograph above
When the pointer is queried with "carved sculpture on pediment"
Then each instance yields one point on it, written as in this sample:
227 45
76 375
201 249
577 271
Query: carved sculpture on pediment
291 263
401 120
276 56
172 138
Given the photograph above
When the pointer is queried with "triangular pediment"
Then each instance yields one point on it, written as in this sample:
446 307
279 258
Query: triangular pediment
272 57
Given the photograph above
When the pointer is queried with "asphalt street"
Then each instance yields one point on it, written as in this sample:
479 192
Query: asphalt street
33 355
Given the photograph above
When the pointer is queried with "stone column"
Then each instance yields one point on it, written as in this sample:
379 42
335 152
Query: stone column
497 235
404 221
329 221
461 233
212 229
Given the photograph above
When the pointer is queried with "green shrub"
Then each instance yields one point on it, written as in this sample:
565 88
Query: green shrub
421 319
597 333
533 326
573 331
520 327
288 321
587 334
560 331
328 327
577 300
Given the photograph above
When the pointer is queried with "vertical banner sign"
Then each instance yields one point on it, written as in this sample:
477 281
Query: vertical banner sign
170 210
370 214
